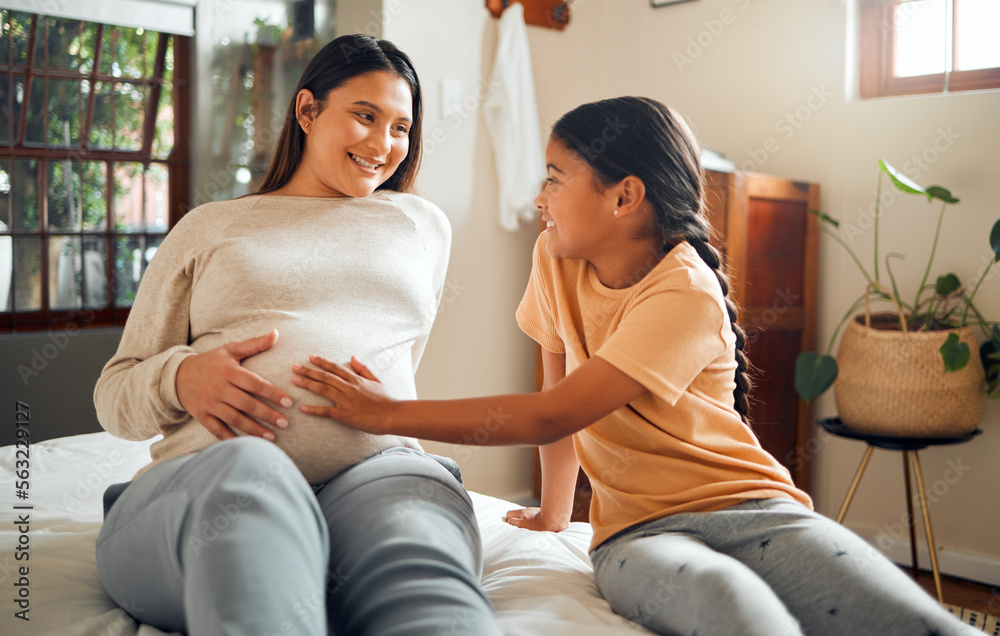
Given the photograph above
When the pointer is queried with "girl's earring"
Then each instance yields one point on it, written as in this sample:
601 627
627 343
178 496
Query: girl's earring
616 212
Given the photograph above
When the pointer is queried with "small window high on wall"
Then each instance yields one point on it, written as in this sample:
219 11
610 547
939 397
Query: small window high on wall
94 164
929 46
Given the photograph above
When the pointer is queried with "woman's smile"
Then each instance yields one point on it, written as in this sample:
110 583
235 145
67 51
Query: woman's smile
367 165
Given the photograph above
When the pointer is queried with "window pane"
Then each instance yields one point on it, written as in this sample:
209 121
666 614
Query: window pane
168 61
94 204
65 110
4 43
132 256
108 46
102 135
17 28
130 115
156 198
978 46
150 40
5 223
64 272
11 95
35 130
6 270
95 277
27 273
128 269
64 195
163 137
122 52
129 52
128 197
24 193
126 104
6 242
77 280
63 46
88 48
921 38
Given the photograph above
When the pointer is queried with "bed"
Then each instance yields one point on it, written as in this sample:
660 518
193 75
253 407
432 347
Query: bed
540 583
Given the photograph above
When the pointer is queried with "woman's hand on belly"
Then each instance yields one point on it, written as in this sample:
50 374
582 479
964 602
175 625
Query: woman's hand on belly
359 399
224 397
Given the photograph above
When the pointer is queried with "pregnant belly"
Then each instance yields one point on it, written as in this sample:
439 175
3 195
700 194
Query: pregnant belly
320 447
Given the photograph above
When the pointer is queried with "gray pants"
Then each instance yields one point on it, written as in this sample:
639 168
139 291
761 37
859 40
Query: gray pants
232 540
763 567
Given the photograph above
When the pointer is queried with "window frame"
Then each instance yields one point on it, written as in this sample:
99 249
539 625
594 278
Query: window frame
877 40
177 164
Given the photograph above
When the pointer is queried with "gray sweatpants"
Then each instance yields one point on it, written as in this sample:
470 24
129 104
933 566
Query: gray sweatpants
232 540
763 567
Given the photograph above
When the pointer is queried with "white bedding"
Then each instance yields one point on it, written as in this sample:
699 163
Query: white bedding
540 583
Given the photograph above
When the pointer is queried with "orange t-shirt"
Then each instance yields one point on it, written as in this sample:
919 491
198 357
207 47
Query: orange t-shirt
680 447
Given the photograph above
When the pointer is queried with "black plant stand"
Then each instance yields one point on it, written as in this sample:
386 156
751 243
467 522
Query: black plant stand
909 447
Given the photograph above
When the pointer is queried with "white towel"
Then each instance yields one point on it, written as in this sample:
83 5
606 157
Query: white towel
511 116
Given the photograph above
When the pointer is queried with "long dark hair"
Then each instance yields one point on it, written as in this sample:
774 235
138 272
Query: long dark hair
642 137
341 59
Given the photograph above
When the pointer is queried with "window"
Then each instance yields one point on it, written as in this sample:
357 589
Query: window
929 46
93 165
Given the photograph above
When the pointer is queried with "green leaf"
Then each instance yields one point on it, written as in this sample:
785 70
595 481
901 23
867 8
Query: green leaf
823 216
814 374
946 284
995 239
942 194
954 353
900 180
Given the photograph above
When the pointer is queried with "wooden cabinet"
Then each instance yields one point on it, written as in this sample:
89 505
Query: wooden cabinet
769 243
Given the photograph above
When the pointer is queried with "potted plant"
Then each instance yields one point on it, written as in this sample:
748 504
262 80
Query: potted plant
908 372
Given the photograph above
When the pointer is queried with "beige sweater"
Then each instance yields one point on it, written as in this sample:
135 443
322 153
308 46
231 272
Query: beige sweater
336 277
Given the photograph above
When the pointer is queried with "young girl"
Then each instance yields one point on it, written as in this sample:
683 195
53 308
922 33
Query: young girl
697 529
315 530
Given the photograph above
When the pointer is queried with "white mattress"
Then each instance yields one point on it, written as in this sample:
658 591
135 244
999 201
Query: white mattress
540 583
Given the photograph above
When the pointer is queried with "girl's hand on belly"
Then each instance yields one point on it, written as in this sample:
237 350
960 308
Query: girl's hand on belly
218 392
359 399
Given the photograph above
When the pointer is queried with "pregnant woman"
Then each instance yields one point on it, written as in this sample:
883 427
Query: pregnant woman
254 518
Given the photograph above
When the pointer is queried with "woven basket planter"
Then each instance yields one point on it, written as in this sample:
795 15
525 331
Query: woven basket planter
893 382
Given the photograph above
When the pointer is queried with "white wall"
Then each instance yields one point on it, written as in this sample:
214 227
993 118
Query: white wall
737 69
